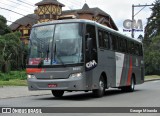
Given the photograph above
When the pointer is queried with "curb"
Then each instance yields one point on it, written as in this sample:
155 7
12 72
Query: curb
23 96
151 80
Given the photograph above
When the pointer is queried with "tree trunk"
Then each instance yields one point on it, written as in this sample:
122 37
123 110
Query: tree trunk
5 67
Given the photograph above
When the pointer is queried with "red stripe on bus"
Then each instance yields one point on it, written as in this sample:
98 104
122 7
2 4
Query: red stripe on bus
129 72
33 70
122 72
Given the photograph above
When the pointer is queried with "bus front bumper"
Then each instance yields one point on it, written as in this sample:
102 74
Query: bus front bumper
77 84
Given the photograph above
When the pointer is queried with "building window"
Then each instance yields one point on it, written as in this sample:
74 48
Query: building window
25 32
41 17
54 16
47 16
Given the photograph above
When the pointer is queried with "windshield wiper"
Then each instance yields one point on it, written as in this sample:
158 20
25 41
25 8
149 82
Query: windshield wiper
55 55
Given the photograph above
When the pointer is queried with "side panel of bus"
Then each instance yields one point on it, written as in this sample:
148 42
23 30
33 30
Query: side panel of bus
118 63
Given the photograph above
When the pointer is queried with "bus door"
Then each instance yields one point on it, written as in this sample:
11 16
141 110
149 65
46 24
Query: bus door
90 52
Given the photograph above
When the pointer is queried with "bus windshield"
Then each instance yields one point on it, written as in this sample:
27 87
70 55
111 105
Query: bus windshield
56 44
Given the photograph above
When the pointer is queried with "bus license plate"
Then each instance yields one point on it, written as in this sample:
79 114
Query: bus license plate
52 85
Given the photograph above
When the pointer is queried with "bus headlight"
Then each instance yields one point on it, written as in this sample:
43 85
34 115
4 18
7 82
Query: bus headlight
31 76
75 75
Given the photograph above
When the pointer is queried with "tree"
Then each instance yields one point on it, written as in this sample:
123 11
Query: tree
153 25
9 44
4 29
12 50
152 41
152 57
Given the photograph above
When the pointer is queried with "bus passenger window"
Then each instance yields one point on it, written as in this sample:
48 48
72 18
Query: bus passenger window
106 40
137 49
133 48
119 47
122 45
129 47
113 42
141 50
100 38
103 38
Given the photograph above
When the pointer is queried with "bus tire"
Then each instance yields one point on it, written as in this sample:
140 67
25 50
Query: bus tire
131 87
57 93
101 89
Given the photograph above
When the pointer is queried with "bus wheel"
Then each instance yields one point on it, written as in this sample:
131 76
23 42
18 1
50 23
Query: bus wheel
131 87
101 89
58 93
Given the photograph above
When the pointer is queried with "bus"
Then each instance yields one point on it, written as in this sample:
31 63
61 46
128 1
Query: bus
82 55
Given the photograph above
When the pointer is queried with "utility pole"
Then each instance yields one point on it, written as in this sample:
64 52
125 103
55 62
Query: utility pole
133 15
132 34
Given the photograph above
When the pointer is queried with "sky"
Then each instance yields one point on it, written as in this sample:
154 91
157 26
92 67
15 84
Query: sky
119 10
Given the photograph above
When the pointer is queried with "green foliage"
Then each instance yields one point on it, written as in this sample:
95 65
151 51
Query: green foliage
153 25
14 82
152 57
3 19
4 29
21 75
13 52
152 41
9 48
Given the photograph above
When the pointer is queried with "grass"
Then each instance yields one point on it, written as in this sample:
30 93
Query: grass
13 78
152 77
21 75
14 82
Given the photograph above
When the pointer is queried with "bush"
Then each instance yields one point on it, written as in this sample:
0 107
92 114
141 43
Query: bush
3 77
21 75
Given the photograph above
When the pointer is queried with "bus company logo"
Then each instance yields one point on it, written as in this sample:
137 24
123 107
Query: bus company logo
137 25
6 110
91 64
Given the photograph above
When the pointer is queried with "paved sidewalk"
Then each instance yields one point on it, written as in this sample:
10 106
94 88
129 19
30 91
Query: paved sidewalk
21 91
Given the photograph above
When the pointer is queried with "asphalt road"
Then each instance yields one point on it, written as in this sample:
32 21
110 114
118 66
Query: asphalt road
145 95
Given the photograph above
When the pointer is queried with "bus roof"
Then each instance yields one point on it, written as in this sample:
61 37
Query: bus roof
86 21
